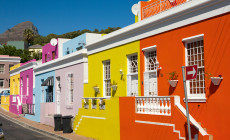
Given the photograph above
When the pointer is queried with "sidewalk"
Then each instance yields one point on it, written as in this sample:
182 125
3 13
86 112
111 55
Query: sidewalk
44 129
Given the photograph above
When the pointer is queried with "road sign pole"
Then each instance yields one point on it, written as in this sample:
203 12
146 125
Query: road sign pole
186 102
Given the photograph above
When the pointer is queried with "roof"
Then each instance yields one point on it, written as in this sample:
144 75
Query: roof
37 46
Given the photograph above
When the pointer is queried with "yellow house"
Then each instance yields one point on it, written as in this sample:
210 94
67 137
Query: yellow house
112 72
35 49
15 81
14 90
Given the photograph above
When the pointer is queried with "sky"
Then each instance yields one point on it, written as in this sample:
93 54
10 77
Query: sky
62 16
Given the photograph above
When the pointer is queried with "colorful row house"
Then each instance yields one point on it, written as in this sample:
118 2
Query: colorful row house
129 84
21 89
144 62
6 63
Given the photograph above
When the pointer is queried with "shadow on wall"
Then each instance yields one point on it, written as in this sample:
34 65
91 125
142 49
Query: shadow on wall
212 89
194 131
171 89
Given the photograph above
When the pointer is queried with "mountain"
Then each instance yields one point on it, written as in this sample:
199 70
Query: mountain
16 32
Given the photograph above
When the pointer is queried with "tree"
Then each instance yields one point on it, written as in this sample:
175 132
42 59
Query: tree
28 36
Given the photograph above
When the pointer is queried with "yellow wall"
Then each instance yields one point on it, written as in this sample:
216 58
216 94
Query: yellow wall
101 129
118 60
5 102
15 66
35 50
14 82
109 127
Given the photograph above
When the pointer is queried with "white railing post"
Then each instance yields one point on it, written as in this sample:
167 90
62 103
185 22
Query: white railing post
159 105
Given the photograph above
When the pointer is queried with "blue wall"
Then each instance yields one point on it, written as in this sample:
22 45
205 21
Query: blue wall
38 94
73 44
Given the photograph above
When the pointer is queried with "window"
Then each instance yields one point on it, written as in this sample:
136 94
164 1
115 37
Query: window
45 57
43 92
14 86
53 55
21 86
67 51
2 68
133 64
71 83
27 85
1 83
106 78
150 74
194 54
49 94
151 62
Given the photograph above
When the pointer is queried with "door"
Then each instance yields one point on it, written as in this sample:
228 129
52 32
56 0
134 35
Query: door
153 84
134 85
58 92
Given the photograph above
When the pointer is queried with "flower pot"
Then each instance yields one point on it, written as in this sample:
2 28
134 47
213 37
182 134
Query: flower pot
173 83
114 87
216 80
96 89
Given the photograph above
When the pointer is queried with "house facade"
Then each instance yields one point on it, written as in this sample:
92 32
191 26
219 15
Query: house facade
6 62
14 105
22 98
184 33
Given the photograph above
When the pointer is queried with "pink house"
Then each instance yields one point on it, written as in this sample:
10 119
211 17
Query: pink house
24 103
51 52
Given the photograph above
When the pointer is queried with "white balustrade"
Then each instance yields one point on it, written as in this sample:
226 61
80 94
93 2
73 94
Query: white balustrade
159 105
94 102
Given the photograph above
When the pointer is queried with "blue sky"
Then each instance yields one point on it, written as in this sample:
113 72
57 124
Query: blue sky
61 16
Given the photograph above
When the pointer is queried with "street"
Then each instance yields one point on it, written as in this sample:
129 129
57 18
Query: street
14 131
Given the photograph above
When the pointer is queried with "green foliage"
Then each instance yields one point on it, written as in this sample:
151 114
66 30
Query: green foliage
42 40
28 35
23 54
173 75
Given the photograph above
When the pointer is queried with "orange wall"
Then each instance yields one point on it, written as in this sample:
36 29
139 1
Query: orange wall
131 130
214 114
154 6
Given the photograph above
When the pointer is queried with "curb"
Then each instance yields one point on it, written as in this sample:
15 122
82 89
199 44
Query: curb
32 128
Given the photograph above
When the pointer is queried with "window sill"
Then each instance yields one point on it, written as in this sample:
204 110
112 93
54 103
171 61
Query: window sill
132 74
196 100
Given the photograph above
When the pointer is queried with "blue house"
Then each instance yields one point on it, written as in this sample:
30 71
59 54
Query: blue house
79 42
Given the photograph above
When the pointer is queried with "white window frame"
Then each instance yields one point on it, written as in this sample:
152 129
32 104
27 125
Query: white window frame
2 80
27 85
43 91
70 88
14 98
21 86
148 72
2 69
130 74
129 57
107 81
193 97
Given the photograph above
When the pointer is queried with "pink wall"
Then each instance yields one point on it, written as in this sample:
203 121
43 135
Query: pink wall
13 106
27 98
47 50
77 71
47 111
33 60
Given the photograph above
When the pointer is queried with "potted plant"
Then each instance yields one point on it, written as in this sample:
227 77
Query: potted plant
102 104
173 78
216 80
86 104
114 86
94 103
96 89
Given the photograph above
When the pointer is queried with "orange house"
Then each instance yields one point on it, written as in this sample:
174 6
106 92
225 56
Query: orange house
193 33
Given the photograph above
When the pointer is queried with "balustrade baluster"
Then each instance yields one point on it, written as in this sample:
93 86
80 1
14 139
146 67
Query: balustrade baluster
142 106
166 106
151 106
169 106
138 106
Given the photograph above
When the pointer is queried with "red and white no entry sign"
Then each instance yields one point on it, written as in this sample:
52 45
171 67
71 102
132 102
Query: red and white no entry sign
191 72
